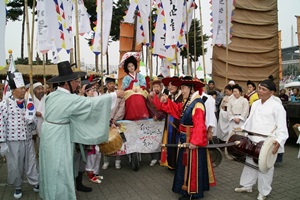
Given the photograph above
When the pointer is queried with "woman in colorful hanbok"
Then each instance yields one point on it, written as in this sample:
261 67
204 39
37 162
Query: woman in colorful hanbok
251 95
193 173
134 85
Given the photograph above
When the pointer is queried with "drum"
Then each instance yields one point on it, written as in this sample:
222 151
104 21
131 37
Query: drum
261 152
266 158
113 144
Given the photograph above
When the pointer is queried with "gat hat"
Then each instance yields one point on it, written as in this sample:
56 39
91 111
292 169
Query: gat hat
15 80
65 73
110 78
189 81
168 80
37 85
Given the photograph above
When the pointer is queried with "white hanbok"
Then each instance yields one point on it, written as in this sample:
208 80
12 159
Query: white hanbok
237 108
223 123
265 119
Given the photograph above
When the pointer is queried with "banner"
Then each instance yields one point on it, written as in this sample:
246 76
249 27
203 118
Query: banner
173 14
143 136
83 19
129 17
12 68
143 16
219 21
2 34
107 16
159 47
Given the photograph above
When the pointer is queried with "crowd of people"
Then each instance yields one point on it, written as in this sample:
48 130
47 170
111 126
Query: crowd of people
62 134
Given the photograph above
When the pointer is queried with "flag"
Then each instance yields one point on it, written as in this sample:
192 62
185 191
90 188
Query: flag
129 17
219 21
47 28
199 68
144 12
2 33
30 109
174 19
84 25
12 68
159 47
106 25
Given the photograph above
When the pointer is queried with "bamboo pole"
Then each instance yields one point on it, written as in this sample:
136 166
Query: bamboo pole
188 66
195 45
101 46
32 29
77 50
150 42
202 42
226 77
279 55
44 71
28 45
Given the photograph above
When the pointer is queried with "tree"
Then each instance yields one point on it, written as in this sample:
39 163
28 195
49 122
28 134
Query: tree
15 8
191 45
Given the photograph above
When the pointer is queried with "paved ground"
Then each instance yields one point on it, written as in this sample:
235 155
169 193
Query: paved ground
151 183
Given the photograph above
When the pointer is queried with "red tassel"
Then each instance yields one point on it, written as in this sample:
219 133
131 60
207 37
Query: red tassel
184 158
163 157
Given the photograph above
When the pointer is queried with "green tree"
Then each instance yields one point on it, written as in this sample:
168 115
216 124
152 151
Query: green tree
191 44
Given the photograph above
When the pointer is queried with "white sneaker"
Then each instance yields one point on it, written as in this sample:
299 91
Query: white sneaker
153 162
105 165
261 197
242 189
118 164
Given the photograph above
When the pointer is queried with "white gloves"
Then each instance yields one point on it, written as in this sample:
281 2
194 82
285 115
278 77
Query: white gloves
3 148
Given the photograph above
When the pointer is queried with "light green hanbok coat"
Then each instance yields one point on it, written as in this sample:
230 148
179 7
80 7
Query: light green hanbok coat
69 119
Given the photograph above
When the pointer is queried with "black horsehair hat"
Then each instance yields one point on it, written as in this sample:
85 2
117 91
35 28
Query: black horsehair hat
65 73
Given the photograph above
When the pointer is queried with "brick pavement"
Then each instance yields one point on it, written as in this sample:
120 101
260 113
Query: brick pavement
153 183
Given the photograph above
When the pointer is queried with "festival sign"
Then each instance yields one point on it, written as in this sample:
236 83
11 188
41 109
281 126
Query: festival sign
143 136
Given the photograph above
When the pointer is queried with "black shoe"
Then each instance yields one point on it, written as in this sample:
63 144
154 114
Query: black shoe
79 186
184 198
83 188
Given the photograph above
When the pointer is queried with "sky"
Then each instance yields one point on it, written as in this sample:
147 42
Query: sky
287 9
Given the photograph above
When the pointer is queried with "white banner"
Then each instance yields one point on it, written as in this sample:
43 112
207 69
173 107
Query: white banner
45 26
219 21
129 17
159 35
2 34
143 136
12 68
107 16
173 14
83 19
144 9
